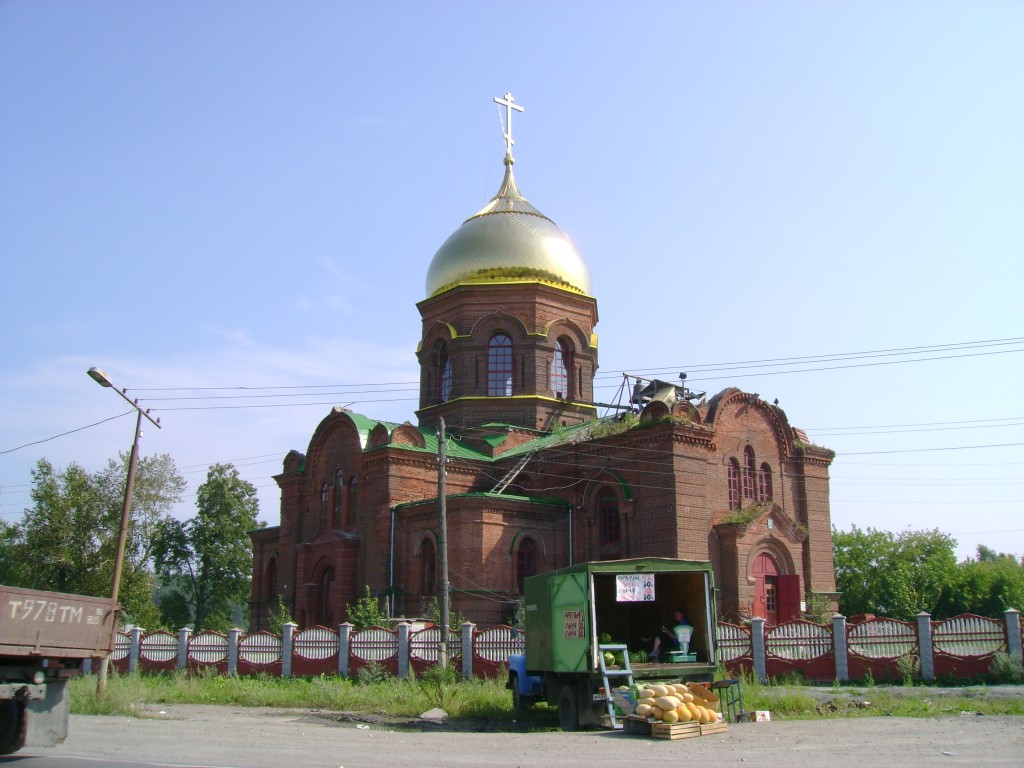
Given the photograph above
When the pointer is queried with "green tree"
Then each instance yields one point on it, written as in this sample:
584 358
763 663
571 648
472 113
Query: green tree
67 540
208 559
897 575
987 586
368 611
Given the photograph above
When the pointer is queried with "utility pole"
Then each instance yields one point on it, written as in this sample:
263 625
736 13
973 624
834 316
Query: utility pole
442 647
101 378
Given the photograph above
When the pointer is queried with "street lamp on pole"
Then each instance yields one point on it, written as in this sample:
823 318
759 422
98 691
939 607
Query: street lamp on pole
100 377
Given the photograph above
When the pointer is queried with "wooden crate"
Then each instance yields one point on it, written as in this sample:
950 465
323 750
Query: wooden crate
675 731
710 728
636 725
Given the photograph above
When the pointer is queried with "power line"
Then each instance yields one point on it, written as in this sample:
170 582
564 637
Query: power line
699 367
925 450
69 432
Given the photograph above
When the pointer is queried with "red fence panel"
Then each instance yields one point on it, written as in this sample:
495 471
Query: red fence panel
875 646
315 652
374 645
122 649
493 646
158 652
259 653
735 649
800 646
208 649
423 648
964 645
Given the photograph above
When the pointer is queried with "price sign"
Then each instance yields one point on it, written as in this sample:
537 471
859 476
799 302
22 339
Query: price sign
572 625
634 588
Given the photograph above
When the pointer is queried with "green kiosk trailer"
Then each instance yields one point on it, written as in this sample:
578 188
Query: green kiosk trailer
625 602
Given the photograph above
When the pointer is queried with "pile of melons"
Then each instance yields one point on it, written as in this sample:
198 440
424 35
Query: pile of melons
673 703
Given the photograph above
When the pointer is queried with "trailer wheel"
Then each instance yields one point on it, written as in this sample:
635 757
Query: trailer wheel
12 727
568 708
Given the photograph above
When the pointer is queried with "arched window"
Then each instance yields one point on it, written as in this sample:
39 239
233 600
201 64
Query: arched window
609 525
444 374
325 501
352 501
734 484
748 472
764 483
325 616
271 582
561 370
526 562
339 496
499 366
428 567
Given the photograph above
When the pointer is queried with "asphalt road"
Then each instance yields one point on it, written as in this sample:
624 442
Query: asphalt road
254 738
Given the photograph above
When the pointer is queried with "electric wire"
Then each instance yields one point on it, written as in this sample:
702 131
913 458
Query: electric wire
69 432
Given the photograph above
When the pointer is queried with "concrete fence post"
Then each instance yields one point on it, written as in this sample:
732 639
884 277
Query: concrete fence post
183 635
87 666
234 635
344 644
839 647
403 648
758 648
924 644
136 647
1013 639
287 643
468 628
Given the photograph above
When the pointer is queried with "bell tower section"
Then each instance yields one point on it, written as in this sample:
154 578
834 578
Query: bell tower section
508 322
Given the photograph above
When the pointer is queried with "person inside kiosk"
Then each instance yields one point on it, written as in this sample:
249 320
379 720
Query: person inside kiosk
675 639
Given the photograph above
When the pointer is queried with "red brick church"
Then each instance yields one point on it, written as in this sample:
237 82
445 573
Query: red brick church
535 480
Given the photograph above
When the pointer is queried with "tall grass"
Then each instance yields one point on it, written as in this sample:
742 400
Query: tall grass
139 695
401 697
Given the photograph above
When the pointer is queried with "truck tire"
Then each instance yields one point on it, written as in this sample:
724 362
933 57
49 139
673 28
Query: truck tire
569 708
520 703
12 727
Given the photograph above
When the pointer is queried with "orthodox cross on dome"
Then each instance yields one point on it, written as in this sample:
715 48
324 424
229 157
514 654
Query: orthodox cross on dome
509 103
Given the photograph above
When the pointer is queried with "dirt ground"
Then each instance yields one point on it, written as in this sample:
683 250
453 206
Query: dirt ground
252 738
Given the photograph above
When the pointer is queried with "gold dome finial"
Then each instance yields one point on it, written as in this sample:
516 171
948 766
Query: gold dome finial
509 103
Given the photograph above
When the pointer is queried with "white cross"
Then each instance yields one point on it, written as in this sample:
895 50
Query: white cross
509 103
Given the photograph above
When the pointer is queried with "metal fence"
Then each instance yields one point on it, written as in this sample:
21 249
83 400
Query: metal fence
881 648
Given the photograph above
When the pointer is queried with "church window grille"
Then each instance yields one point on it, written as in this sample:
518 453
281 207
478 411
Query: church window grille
561 370
339 496
428 563
734 484
526 562
609 525
325 500
748 472
444 378
764 483
352 501
499 366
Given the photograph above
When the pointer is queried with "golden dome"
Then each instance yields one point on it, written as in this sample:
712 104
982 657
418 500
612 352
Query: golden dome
508 241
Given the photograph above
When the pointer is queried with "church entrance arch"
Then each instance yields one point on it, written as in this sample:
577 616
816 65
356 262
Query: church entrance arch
776 592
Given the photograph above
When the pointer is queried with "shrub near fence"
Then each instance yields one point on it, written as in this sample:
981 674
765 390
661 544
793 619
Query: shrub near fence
963 646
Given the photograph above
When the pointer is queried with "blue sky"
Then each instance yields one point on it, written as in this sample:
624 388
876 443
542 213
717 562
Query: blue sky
248 194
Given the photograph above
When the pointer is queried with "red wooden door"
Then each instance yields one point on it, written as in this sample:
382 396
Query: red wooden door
789 597
766 589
